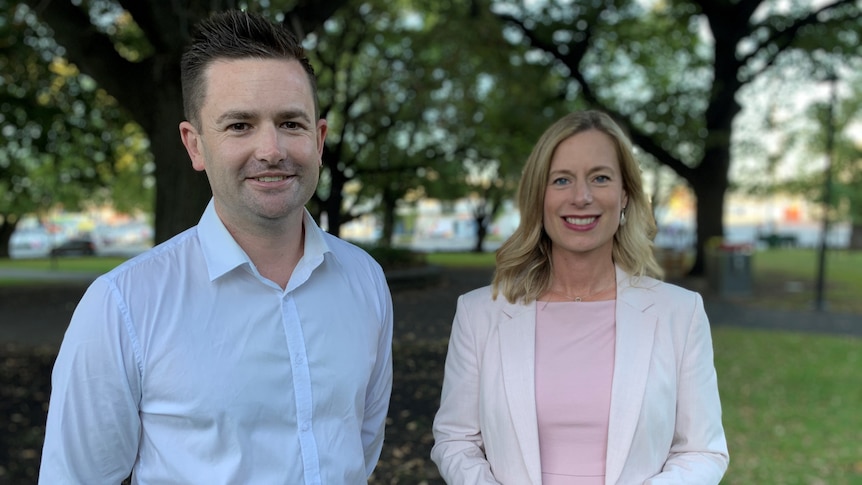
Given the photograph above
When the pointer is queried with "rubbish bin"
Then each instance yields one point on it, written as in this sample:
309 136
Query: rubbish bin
728 268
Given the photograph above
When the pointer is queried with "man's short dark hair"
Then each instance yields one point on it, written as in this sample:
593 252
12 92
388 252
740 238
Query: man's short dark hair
235 34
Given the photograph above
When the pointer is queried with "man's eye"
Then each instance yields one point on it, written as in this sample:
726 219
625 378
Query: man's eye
290 125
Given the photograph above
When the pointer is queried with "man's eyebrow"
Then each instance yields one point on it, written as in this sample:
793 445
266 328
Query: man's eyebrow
241 115
292 114
234 115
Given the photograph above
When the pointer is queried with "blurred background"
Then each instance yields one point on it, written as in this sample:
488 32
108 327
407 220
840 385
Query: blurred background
746 116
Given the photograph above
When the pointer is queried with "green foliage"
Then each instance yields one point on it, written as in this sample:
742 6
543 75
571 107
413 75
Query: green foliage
66 141
808 138
414 112
396 258
373 93
424 97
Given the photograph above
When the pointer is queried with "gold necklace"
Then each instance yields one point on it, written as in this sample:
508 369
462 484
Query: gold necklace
581 298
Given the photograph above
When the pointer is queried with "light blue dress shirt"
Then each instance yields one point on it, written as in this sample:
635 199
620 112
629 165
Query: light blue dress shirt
185 365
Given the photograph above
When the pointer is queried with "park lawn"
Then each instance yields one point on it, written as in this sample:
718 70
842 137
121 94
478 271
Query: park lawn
790 406
462 260
84 264
786 279
783 279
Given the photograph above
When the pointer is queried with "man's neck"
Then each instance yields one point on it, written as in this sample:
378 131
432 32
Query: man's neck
275 251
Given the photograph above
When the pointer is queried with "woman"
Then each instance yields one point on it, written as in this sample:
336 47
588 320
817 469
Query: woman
576 366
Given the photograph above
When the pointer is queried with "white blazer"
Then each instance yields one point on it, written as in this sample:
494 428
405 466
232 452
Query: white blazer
665 416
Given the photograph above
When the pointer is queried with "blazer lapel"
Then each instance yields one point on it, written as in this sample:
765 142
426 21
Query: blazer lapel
635 333
517 357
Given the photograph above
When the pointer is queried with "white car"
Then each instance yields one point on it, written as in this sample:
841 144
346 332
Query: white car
29 243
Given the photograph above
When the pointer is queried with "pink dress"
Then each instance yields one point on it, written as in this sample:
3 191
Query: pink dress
574 372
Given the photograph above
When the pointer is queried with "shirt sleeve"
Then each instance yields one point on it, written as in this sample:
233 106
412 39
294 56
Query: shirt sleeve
379 388
93 428
698 453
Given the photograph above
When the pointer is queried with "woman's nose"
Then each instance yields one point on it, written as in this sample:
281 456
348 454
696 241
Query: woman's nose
582 194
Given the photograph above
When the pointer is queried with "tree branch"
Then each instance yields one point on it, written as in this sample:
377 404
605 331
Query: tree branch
92 51
572 60
784 38
309 15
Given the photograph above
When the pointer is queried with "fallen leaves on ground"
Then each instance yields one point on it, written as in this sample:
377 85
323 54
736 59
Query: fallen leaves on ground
25 376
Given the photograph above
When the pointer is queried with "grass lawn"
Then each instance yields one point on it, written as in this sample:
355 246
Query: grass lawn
787 278
462 260
791 405
90 265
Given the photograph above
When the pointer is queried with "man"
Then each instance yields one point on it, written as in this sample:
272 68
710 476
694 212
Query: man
254 347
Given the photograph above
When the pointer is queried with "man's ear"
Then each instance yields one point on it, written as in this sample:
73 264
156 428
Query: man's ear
192 141
322 127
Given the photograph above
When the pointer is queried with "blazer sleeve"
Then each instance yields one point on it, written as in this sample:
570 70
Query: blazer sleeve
698 453
458 450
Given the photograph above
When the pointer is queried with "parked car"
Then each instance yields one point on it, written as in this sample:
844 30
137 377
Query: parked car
78 246
29 243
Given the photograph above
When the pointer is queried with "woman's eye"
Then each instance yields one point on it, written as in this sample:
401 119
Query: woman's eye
560 181
602 179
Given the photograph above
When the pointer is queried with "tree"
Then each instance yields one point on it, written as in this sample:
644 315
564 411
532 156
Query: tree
671 72
807 137
66 142
491 109
373 94
411 109
132 49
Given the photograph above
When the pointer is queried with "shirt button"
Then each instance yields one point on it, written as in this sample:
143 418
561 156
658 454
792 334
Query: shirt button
305 427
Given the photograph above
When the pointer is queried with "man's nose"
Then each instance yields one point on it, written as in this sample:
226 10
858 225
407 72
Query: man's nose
270 144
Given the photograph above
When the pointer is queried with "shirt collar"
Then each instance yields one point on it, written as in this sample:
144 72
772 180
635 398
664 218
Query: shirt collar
223 254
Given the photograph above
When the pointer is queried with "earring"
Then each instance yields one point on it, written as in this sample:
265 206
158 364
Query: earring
623 217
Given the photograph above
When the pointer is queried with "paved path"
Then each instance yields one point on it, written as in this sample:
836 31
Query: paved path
38 315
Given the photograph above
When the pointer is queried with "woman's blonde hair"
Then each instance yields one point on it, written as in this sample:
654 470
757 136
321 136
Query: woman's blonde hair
523 271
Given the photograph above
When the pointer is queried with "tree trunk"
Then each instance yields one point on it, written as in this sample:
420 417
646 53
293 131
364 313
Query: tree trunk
710 213
332 204
150 90
856 236
390 203
483 215
7 227
481 233
181 192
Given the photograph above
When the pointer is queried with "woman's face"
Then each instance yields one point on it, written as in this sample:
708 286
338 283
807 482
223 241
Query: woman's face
584 195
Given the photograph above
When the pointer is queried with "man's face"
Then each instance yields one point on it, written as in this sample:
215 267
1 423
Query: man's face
258 141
